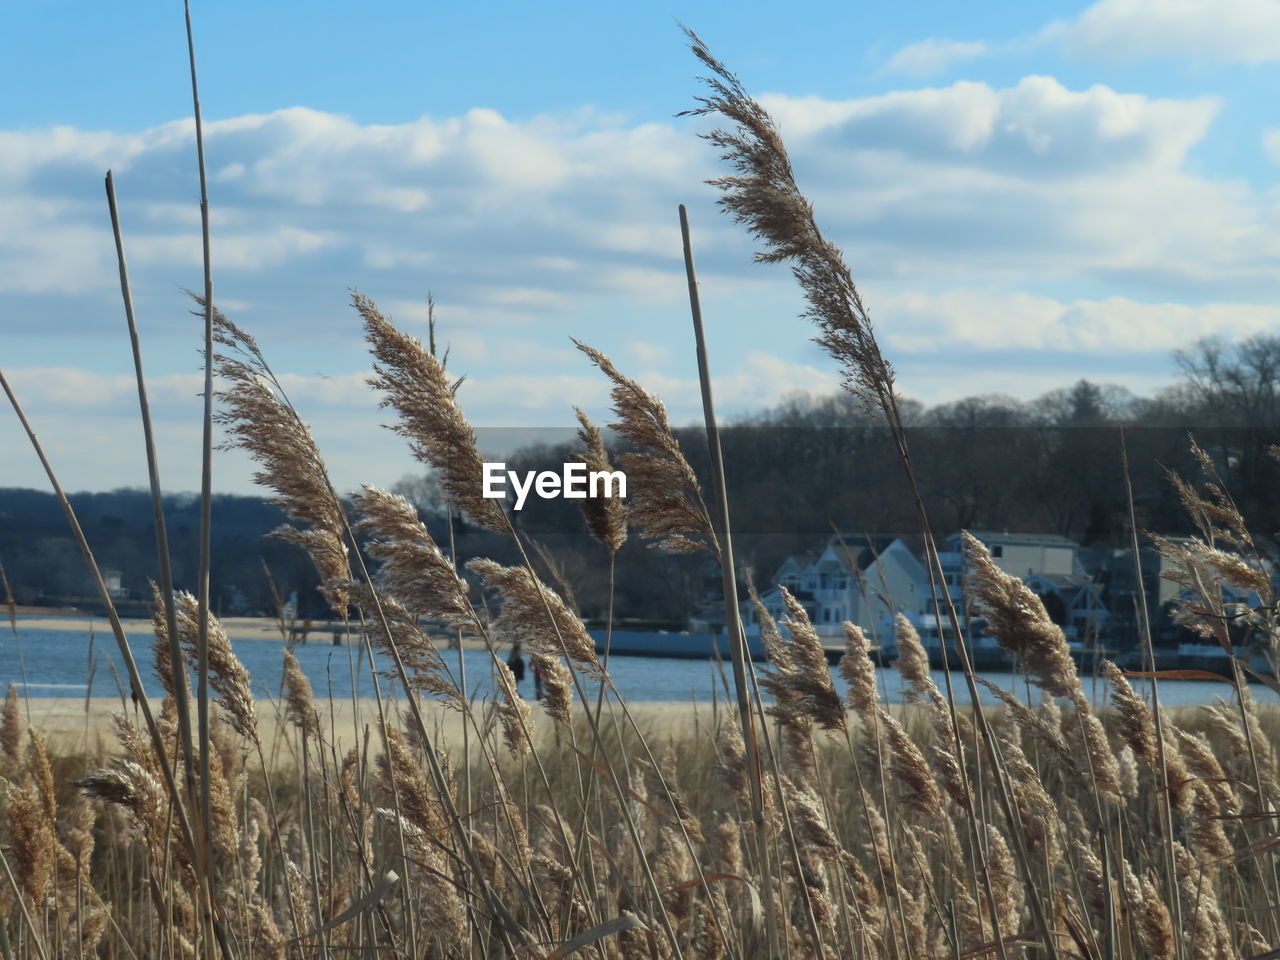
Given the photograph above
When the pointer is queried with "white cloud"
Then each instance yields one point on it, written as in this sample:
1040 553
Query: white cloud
1031 184
650 354
524 210
233 250
967 320
958 207
933 56
529 217
78 389
1271 144
1225 31
1036 126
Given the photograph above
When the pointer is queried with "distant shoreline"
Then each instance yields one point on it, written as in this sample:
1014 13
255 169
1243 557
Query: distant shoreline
236 628
74 725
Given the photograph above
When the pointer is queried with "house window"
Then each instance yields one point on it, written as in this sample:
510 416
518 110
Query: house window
997 551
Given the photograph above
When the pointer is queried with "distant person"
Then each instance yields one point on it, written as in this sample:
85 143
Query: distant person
537 681
516 662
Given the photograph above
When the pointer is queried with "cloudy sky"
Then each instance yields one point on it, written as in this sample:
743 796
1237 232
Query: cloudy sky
1027 193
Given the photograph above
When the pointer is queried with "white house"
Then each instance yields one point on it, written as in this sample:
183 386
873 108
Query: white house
1051 566
865 580
868 580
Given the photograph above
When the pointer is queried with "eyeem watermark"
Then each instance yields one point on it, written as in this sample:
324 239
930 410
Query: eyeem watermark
575 482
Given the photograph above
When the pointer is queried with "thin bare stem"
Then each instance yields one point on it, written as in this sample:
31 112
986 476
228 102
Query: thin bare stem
733 622
178 676
206 473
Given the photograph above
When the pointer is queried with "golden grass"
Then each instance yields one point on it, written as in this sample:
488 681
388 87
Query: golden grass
426 824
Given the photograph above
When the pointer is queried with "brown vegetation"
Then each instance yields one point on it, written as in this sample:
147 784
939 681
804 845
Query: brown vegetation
813 829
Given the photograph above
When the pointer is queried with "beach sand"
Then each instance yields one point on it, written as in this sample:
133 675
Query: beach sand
237 628
73 726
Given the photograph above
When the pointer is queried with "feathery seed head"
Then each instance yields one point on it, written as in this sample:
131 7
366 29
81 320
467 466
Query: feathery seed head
1016 617
394 630
809 676
299 701
664 498
11 726
763 196
912 662
534 614
414 570
227 675
859 672
513 711
909 768
416 387
1134 721
260 420
606 517
557 686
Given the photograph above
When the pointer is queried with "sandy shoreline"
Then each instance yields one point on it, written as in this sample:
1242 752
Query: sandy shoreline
71 728
237 628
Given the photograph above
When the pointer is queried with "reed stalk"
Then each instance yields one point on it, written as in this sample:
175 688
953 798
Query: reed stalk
178 677
738 654
1148 652
206 487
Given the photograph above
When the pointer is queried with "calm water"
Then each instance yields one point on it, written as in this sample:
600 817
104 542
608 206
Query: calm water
59 663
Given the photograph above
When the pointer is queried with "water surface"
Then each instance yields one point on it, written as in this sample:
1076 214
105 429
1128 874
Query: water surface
65 663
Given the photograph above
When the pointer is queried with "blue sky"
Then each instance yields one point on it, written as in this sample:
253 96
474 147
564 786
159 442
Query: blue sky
1027 194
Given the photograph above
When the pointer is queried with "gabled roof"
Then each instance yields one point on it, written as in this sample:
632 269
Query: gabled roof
801 560
858 552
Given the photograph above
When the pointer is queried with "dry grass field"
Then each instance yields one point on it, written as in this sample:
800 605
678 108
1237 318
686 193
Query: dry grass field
791 822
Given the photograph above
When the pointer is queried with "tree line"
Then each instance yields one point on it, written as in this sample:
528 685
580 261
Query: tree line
796 472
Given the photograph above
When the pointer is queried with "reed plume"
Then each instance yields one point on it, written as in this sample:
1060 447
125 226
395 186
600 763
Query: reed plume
415 385
1087 739
513 711
808 677
606 517
534 613
227 675
110 786
731 753
764 197
1038 813
402 778
298 698
664 498
40 773
944 757
413 570
1155 926
770 637
32 840
11 726
1016 617
557 686
394 631
1201 763
1133 720
259 419
912 662
907 763
859 672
